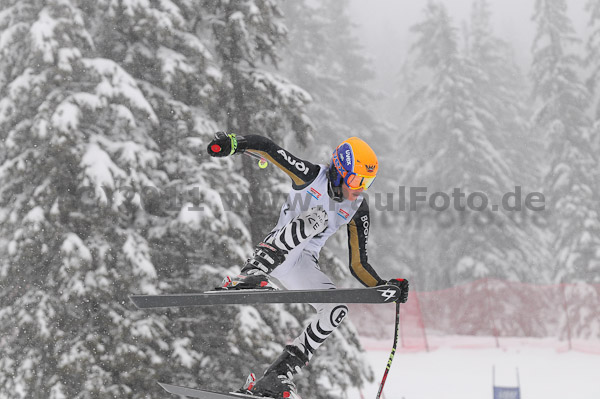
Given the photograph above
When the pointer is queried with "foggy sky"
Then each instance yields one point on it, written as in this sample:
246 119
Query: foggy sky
384 28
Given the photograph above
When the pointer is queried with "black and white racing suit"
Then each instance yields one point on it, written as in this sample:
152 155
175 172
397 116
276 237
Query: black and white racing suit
300 270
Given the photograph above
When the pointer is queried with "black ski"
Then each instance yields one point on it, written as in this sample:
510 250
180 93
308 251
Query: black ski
199 393
381 294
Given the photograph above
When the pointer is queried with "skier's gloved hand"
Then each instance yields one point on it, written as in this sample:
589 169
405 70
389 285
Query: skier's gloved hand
403 285
223 145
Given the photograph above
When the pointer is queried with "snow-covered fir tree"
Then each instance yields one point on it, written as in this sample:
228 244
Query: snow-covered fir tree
400 109
571 182
325 58
592 59
457 140
500 94
502 89
256 101
106 191
592 62
81 136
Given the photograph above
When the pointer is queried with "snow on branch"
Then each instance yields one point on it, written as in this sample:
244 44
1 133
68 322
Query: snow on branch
279 88
116 84
99 169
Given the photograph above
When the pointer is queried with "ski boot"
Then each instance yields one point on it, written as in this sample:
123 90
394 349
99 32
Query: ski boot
277 381
250 381
254 274
273 250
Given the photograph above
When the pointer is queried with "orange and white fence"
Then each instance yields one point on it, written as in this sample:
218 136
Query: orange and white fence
490 313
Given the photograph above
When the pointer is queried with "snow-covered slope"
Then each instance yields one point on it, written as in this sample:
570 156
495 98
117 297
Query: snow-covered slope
457 369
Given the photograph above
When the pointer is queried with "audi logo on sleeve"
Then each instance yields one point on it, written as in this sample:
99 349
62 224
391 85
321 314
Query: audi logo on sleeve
298 164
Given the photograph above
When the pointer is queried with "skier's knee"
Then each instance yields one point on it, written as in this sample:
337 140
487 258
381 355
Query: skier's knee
301 228
335 313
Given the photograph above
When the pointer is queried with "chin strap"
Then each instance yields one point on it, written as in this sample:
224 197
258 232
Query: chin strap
334 184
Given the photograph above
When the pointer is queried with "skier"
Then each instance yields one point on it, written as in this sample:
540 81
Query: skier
323 199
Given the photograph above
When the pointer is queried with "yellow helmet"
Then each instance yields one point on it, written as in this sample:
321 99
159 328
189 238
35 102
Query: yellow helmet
355 163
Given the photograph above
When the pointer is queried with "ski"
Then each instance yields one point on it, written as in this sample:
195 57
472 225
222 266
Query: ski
202 394
381 294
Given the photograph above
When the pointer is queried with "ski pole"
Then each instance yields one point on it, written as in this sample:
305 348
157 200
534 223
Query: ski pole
389 363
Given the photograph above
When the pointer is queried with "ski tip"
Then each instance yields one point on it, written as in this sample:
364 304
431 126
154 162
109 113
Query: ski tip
176 390
136 301
164 386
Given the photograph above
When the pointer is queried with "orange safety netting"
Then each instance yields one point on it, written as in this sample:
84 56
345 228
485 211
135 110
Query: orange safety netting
569 313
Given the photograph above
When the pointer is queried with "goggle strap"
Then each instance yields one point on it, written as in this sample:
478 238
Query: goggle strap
345 176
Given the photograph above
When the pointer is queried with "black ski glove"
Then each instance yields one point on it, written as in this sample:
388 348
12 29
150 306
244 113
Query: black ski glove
223 145
403 285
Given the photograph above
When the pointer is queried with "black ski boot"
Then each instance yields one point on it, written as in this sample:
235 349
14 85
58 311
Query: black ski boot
277 381
254 274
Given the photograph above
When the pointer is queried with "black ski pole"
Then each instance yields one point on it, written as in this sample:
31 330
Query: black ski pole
389 363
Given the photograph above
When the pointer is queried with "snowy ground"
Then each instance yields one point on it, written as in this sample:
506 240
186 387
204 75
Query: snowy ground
457 370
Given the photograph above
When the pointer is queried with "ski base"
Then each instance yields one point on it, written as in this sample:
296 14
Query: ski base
202 394
381 294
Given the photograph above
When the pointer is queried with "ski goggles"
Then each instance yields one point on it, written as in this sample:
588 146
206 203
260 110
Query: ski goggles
356 182
352 180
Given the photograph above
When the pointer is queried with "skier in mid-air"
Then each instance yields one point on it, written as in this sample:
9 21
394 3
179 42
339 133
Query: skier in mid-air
323 199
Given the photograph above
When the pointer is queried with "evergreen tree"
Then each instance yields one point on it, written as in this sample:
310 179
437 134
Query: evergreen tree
106 191
501 90
500 93
80 137
324 57
256 101
592 59
400 108
457 140
571 180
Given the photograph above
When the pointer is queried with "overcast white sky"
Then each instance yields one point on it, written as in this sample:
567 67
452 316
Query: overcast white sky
384 27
